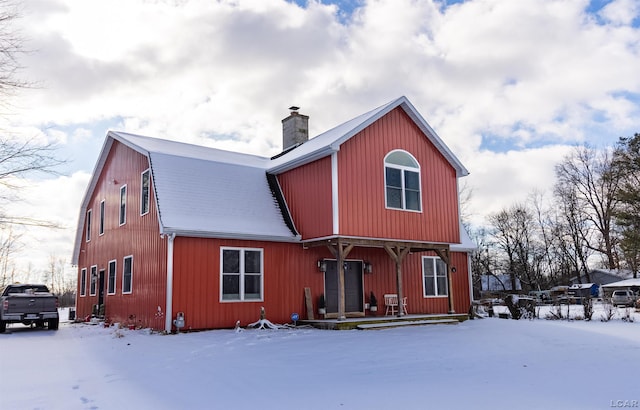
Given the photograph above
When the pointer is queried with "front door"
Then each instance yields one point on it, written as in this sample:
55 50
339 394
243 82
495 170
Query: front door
353 291
101 293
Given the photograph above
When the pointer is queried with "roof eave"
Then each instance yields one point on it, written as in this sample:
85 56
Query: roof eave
230 235
310 157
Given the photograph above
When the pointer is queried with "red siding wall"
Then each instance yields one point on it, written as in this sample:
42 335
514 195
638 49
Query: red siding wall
383 280
362 190
288 269
139 237
307 190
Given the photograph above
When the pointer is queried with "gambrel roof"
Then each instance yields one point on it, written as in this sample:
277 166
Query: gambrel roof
207 192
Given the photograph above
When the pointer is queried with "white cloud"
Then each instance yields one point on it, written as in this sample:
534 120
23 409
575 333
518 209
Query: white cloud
621 11
223 73
499 180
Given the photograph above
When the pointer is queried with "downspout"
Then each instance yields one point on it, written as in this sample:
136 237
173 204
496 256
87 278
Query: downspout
169 306
470 275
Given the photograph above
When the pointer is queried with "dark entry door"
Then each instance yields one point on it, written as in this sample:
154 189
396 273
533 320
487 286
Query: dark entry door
353 293
101 287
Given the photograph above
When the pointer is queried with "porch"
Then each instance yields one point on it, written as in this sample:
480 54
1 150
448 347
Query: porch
383 322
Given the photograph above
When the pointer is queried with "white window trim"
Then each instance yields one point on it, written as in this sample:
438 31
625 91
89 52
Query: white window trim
424 290
241 274
92 277
148 193
88 227
115 279
83 289
121 220
101 222
123 266
402 168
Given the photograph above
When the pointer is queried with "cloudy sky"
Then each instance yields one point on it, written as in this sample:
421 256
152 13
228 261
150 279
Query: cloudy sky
509 85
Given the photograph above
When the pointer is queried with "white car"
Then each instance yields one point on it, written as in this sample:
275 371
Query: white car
623 297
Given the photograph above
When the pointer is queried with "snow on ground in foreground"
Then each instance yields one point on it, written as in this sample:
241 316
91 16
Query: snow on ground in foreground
479 364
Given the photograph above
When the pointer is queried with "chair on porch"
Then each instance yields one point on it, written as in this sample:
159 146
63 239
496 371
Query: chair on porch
391 303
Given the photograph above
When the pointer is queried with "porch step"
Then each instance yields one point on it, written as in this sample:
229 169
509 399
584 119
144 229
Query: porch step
364 326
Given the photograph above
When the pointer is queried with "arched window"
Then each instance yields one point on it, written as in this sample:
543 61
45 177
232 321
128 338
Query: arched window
402 181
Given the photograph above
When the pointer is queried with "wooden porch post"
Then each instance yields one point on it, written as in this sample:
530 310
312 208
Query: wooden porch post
444 255
398 255
340 253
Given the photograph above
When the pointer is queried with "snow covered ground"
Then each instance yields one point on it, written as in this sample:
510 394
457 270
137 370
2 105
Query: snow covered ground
479 364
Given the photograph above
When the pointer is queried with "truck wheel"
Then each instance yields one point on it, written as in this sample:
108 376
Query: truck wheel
3 326
53 324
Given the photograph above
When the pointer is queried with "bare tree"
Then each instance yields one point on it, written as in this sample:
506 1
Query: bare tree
11 45
587 175
515 236
19 157
576 232
9 245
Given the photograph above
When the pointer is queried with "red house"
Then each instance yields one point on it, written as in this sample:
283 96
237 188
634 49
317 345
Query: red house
368 206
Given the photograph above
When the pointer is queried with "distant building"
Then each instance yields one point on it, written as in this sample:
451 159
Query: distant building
498 283
603 276
632 284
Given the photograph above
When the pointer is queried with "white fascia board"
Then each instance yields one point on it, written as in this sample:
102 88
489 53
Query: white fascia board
230 235
335 200
310 157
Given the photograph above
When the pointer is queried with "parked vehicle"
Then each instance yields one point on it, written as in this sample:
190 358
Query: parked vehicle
623 297
30 305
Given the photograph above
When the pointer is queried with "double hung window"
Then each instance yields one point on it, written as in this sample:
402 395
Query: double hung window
83 282
144 193
111 279
434 273
93 281
127 275
241 274
123 205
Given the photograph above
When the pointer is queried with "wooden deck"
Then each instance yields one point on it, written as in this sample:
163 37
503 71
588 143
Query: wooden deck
383 322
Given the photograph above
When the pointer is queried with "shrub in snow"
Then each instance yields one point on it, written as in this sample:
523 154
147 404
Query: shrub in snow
627 316
520 307
555 313
609 312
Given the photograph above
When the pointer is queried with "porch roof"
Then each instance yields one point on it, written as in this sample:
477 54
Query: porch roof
414 246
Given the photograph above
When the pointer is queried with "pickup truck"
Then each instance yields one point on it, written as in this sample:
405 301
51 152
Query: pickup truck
28 304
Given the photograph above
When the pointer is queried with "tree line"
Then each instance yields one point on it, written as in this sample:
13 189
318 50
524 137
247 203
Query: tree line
591 221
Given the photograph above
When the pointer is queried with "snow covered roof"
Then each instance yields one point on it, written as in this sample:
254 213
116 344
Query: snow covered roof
466 243
581 286
623 283
210 192
330 141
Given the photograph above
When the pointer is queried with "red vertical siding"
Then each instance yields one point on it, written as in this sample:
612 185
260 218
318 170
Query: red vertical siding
383 280
307 190
139 237
362 190
288 269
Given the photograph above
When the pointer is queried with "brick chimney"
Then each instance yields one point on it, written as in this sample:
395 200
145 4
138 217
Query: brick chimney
295 129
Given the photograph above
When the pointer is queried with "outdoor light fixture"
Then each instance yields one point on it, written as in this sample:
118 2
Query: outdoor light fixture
367 267
322 265
453 270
